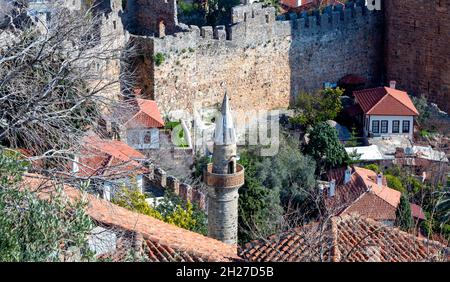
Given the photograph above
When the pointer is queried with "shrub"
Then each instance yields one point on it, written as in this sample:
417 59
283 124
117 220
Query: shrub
159 59
395 183
34 229
134 200
373 167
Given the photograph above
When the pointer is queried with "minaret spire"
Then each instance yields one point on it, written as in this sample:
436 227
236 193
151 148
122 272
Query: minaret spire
224 132
223 177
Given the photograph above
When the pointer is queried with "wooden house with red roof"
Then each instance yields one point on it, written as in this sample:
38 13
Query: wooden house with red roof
386 111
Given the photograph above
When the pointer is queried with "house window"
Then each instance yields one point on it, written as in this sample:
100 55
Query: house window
148 137
406 126
375 126
395 126
384 126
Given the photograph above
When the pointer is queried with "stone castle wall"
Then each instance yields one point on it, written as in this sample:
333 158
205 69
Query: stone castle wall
262 61
417 48
158 178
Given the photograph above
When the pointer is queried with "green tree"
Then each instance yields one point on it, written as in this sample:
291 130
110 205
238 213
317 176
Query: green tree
183 214
330 103
443 206
404 218
134 200
35 229
172 209
353 141
423 107
312 109
373 167
394 182
219 11
260 211
325 148
290 172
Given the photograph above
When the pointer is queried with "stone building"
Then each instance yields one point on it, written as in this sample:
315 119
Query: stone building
224 177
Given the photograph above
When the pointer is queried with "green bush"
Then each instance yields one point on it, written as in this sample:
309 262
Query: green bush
172 210
159 59
373 167
395 183
134 200
34 229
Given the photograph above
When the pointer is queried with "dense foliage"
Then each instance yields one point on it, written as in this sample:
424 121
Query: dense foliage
404 218
274 185
172 210
312 109
34 229
326 149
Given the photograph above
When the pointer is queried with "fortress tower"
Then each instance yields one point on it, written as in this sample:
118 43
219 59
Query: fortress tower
224 177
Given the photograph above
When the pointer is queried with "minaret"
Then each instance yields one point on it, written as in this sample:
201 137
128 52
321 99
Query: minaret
224 177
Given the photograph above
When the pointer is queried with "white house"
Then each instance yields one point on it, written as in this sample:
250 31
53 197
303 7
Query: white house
142 129
386 111
109 164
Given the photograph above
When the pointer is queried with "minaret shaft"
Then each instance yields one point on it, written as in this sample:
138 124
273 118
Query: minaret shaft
223 178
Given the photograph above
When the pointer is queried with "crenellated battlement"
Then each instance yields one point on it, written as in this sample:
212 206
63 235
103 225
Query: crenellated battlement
254 24
264 60
157 177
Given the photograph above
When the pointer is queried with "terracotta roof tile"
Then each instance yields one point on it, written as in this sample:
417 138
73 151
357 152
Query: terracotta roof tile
417 212
379 203
108 158
160 241
147 115
346 238
385 101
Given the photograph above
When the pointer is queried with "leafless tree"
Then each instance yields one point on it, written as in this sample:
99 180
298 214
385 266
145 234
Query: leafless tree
56 78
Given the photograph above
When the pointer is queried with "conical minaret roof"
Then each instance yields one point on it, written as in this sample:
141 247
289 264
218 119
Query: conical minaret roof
224 132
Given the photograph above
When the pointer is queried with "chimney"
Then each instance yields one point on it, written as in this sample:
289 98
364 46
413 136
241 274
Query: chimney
392 84
380 180
321 188
332 188
347 175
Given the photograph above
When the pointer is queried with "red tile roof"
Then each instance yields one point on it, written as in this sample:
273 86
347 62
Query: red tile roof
147 115
417 212
346 238
108 158
385 101
161 241
379 203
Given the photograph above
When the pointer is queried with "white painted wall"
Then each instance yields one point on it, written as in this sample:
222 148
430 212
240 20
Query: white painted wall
389 119
136 138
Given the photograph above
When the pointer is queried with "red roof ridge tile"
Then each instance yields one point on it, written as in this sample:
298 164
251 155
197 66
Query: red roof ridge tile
150 228
392 228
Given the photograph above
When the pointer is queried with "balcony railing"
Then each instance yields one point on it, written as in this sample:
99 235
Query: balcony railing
233 180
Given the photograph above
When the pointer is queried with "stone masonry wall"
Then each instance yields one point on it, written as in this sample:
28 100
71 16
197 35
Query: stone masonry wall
418 52
263 61
151 17
158 178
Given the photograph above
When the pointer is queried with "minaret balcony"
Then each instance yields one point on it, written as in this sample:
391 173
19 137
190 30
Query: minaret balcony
233 180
